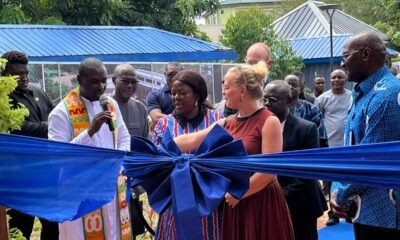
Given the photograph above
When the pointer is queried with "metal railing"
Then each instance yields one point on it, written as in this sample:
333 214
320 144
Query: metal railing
58 78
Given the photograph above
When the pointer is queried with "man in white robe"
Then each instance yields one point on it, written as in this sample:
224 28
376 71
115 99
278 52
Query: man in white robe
92 79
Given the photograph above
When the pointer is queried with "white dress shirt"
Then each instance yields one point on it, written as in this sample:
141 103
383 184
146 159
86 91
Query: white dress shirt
60 129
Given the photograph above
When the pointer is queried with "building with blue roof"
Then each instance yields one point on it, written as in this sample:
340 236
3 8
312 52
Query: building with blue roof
307 29
108 43
56 51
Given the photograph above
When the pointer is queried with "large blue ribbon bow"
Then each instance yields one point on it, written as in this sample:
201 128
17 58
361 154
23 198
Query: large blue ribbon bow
196 184
194 190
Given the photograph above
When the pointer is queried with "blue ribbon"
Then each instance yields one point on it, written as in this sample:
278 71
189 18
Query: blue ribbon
196 184
55 180
61 181
170 177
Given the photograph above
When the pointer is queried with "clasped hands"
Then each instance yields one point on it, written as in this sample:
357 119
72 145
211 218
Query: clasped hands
230 200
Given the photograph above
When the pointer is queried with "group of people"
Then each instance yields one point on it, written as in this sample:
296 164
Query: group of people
269 116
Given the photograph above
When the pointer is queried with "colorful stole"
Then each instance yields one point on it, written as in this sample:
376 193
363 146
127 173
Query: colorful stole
93 223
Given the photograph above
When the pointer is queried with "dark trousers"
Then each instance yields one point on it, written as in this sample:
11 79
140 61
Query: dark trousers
305 229
365 232
24 223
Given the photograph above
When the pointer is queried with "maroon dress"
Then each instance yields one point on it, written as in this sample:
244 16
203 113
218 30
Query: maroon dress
263 215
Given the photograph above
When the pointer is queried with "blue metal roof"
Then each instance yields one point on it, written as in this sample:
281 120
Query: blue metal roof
108 43
317 49
307 20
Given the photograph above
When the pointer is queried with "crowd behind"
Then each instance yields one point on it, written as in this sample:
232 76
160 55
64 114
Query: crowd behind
268 115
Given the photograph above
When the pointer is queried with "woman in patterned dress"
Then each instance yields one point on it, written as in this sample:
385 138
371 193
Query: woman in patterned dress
261 213
192 113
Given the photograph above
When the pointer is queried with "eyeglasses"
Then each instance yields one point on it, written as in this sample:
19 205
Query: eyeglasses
127 82
270 99
172 74
347 55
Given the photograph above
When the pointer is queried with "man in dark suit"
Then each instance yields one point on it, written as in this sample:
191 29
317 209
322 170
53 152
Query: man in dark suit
35 125
303 196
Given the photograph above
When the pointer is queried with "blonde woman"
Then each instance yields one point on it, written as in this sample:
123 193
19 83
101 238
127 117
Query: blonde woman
262 212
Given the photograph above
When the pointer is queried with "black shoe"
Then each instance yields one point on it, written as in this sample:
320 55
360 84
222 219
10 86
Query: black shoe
332 221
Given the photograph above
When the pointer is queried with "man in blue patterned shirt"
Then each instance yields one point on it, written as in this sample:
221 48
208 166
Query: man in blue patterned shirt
306 110
373 118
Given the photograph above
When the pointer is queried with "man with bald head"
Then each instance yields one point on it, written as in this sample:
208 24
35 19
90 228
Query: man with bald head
259 52
334 105
133 111
135 117
373 118
80 119
303 196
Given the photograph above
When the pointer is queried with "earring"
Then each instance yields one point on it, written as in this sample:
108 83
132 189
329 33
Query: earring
241 98
195 103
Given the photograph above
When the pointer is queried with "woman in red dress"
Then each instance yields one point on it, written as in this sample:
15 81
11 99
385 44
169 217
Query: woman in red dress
261 213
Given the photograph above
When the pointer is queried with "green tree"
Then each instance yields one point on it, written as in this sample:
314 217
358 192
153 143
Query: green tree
171 15
285 59
244 29
11 14
86 12
76 12
389 22
10 119
251 26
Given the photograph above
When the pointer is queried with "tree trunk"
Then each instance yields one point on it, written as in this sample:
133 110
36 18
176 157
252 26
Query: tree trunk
3 223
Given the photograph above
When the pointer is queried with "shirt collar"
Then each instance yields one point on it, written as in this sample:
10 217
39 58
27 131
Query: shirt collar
283 124
166 89
28 90
369 83
87 101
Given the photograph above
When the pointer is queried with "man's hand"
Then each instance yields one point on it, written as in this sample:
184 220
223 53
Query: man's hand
230 200
98 121
338 211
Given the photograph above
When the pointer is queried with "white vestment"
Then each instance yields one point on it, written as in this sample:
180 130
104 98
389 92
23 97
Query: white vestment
60 129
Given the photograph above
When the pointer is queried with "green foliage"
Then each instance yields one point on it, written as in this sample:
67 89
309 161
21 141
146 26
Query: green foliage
307 90
10 119
87 12
12 15
52 21
244 29
15 234
251 26
285 60
389 20
203 36
171 15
